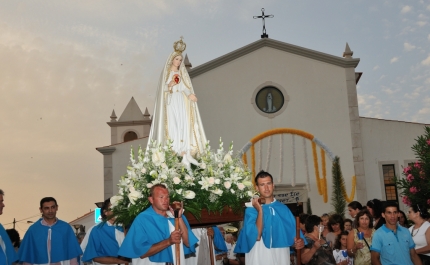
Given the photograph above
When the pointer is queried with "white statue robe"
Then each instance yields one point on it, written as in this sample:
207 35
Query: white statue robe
175 116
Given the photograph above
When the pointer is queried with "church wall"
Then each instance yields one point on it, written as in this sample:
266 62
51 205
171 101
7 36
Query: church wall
318 104
138 129
386 142
121 156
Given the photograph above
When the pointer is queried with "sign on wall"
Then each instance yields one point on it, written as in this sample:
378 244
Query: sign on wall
97 215
288 194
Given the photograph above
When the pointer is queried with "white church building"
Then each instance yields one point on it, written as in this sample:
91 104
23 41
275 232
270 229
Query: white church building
292 110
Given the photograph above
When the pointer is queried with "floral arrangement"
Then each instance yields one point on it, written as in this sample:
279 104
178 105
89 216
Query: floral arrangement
415 186
220 180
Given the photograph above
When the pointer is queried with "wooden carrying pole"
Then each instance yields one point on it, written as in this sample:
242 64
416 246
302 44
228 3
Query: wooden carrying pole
211 249
177 249
298 251
176 208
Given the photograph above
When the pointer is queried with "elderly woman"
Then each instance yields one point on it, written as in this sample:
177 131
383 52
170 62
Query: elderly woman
420 231
357 248
317 251
335 226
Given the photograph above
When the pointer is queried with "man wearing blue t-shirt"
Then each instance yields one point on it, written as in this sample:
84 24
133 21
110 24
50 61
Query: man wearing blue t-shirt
392 243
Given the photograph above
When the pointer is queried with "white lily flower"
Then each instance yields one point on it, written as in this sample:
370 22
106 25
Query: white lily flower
176 180
240 186
227 158
134 195
114 200
158 157
227 184
189 194
217 191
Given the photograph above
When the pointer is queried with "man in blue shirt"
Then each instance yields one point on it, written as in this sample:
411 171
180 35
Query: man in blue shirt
392 243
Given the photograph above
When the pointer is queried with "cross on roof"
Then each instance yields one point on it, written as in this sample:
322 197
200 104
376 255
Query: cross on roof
263 16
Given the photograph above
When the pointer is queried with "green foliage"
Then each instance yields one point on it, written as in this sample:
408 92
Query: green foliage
415 186
220 180
309 208
337 198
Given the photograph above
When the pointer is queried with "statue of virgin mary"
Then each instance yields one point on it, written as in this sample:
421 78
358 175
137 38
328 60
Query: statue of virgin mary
176 114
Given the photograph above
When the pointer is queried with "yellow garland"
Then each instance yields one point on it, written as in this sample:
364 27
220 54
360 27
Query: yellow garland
279 131
317 172
324 173
245 160
321 182
345 195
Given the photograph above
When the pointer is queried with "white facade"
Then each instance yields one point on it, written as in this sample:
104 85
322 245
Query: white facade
320 98
386 142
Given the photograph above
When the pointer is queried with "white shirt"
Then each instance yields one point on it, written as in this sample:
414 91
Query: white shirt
419 236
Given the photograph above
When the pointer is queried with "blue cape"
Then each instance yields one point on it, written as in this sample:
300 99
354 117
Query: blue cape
102 242
148 229
64 245
10 255
283 224
219 242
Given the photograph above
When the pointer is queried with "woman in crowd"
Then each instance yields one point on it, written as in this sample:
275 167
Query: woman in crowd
347 224
353 208
340 249
375 208
324 221
403 221
317 251
302 220
360 249
335 226
420 231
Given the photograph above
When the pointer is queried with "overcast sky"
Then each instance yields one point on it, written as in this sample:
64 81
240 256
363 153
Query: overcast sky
64 65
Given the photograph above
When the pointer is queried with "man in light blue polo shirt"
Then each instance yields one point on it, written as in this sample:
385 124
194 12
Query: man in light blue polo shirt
392 244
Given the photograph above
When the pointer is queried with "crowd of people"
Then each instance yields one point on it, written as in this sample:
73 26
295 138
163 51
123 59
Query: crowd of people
377 233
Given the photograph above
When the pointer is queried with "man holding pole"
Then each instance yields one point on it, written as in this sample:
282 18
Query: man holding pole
268 230
152 237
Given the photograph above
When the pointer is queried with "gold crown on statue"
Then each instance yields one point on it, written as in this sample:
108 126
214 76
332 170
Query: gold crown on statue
179 46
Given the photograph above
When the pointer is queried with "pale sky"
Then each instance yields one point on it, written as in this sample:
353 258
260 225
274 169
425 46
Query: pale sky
64 65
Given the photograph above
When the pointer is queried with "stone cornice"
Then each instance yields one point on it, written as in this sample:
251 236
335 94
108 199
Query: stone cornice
128 123
323 57
106 150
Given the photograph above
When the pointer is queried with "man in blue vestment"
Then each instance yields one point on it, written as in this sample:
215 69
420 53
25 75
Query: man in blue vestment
103 240
7 251
49 240
152 236
268 230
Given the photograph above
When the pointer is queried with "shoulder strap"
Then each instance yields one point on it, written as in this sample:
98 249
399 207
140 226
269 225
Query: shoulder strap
365 241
